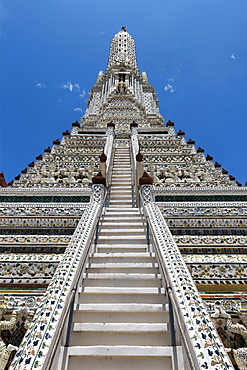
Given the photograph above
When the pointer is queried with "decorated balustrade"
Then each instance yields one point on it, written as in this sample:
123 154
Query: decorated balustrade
134 149
203 346
109 152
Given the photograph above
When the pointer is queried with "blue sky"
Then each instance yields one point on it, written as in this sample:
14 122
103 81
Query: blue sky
193 51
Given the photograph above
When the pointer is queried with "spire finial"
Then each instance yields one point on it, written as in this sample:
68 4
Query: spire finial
122 50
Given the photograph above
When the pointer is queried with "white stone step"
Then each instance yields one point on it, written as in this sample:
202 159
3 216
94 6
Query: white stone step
118 197
119 175
120 307
119 187
126 239
120 350
117 203
125 265
120 327
124 165
122 169
120 316
103 298
125 161
126 197
123 179
121 358
122 197
120 200
123 175
121 224
123 212
122 232
108 281
117 200
121 192
120 255
113 222
121 290
124 209
111 269
124 217
123 276
120 160
117 334
123 248
122 259
124 182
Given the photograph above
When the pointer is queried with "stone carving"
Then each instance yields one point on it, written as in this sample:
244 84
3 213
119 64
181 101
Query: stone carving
35 222
121 87
218 273
177 163
21 269
37 209
69 164
207 222
240 354
216 259
186 174
5 351
199 209
34 239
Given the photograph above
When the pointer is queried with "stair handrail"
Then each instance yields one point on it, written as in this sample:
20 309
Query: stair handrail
133 174
134 148
109 152
191 314
57 301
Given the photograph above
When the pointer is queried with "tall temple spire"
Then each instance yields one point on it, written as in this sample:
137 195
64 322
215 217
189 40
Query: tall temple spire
122 50
122 86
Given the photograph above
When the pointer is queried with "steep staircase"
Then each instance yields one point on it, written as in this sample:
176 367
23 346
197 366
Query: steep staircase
121 319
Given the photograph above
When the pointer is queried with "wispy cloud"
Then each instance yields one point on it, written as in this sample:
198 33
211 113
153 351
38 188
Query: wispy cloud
41 85
170 88
102 33
83 93
77 109
71 87
233 56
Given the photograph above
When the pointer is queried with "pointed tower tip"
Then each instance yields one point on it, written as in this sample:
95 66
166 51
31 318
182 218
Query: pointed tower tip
122 50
